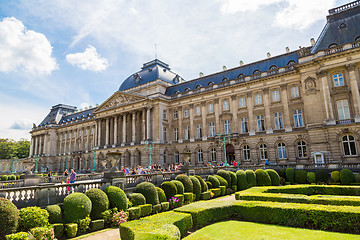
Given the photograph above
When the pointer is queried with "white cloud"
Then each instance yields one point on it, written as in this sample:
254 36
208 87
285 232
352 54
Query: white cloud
88 60
84 105
24 50
23 124
234 6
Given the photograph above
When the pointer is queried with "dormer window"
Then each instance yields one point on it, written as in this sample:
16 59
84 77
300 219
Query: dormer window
332 45
187 89
273 67
292 62
176 92
225 80
198 86
256 72
241 75
342 25
210 83
176 79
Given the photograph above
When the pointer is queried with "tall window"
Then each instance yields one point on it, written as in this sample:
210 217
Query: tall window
278 120
258 99
349 145
211 108
301 149
244 126
200 156
281 150
213 155
197 110
263 152
175 114
275 96
164 114
198 131
338 80
85 146
298 118
164 157
176 134
226 105
294 92
260 123
165 134
242 102
227 127
343 109
186 112
246 152
187 133
212 129
176 157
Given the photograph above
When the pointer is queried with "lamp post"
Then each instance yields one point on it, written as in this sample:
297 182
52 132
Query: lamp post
94 169
224 140
149 148
16 160
11 166
36 163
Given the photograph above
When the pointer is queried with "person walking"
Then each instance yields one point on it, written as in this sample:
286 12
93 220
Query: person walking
72 176
49 176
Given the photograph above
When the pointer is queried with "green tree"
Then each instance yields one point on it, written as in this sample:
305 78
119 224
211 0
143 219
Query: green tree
22 148
14 149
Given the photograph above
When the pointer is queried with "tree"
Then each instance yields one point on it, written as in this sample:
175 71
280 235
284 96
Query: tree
10 149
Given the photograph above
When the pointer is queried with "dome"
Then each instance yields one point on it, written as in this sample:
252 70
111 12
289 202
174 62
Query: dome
151 71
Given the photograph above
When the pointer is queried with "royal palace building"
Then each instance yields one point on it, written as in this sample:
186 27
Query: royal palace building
301 108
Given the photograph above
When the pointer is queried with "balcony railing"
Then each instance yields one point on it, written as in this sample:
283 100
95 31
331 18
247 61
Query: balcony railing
343 7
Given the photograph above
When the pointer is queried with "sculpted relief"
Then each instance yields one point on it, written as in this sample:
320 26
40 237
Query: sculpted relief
119 100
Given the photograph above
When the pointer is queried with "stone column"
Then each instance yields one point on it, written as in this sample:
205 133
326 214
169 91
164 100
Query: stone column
148 123
31 147
203 118
354 91
143 125
180 128
124 130
45 149
36 145
234 110
41 146
285 102
191 123
133 128
65 142
251 120
217 113
107 132
99 137
116 119
327 99
268 121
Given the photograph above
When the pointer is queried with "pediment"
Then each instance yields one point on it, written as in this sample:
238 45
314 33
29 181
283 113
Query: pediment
120 99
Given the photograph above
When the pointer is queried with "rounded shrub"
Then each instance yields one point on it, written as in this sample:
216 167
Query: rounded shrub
76 206
335 176
179 186
137 199
262 178
149 191
346 176
117 198
290 175
196 187
169 189
209 184
233 178
204 187
55 215
224 174
161 194
31 217
281 173
310 177
242 183
300 176
9 216
357 178
322 176
251 178
99 201
214 181
4 177
188 186
222 180
12 178
274 176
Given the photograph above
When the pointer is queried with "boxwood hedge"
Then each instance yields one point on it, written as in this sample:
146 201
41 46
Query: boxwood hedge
214 181
262 178
196 187
149 191
204 186
185 180
169 189
274 176
179 186
224 174
117 198
242 183
99 201
137 199
161 194
251 178
346 176
222 181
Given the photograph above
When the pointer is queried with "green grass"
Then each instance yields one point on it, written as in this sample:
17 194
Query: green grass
255 231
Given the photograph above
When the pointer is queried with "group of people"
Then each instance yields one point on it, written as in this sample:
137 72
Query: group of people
153 167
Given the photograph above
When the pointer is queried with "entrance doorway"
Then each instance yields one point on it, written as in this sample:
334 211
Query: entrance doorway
230 153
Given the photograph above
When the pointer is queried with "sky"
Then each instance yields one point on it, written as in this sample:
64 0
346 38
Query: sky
79 52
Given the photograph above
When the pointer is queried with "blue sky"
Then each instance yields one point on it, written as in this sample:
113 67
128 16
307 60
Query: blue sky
79 52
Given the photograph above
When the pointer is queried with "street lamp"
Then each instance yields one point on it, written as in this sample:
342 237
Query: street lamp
224 140
149 148
16 160
94 169
36 163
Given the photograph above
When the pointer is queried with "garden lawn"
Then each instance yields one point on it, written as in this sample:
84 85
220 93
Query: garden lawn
255 231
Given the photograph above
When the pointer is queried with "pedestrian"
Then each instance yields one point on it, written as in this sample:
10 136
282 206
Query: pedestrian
72 176
68 182
49 176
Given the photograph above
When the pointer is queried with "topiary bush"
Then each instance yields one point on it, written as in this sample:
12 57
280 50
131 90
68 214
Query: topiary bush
209 184
290 175
281 173
250 178
149 191
31 217
11 177
346 176
55 215
179 186
137 199
224 174
335 176
357 178
99 201
169 189
300 176
161 194
134 213
310 177
222 181
9 217
97 225
145 209
274 176
76 206
204 186
165 206
117 198
41 233
262 178
205 195
4 178
214 181
156 208
242 183
188 186
188 198
322 176
71 229
233 179
17 236
196 187
58 229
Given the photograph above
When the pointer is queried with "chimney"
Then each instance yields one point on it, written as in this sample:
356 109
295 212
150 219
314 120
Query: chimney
287 49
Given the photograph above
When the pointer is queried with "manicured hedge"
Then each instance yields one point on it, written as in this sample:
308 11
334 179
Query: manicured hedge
290 175
179 186
242 183
165 206
149 191
300 176
145 209
169 189
216 192
335 176
322 176
137 199
117 198
205 195
59 229
233 178
226 175
222 190
209 184
9 215
97 225
55 214
32 217
346 176
222 181
274 176
262 178
134 213
251 178
185 180
99 201
188 198
214 181
161 194
181 198
76 206
71 229
196 187
310 177
204 186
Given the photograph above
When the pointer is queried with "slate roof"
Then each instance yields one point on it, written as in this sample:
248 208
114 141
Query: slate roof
77 115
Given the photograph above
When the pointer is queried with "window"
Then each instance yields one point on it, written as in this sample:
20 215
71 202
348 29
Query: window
343 109
91 131
260 123
258 99
226 105
227 129
212 129
263 152
85 131
164 114
278 121
197 110
244 126
176 157
198 131
348 142
301 149
338 80
175 114
242 102
281 151
246 152
213 155
298 118
187 90
186 112
275 96
176 134
187 133
294 92
200 157
85 146
164 157
198 86
211 108
165 134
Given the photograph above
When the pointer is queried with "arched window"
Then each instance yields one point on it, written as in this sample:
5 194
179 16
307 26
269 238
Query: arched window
273 67
210 83
301 149
200 156
225 80
292 62
198 86
213 155
281 150
256 72
349 145
263 152
342 25
332 45
187 89
176 92
357 39
176 157
241 75
246 152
